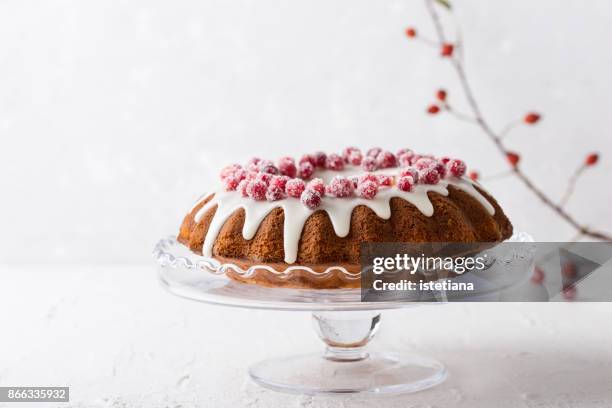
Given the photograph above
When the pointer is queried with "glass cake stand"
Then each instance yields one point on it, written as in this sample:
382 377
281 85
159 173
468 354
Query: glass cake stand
342 321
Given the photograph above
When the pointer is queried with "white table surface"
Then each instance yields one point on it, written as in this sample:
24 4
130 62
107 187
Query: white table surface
118 340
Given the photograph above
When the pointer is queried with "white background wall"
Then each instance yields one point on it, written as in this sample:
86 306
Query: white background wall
116 115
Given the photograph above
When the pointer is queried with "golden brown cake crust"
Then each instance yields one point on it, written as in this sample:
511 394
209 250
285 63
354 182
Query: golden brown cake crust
458 217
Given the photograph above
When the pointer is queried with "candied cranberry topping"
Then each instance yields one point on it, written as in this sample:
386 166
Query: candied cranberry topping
275 193
257 190
311 198
306 170
260 179
295 187
405 183
334 162
340 187
367 189
318 185
286 165
456 167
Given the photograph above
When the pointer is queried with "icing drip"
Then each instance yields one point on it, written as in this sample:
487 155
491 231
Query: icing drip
338 209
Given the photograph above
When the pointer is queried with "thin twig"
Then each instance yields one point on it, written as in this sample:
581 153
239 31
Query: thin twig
497 140
571 185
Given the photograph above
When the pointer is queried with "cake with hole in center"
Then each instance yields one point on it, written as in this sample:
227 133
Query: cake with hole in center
300 224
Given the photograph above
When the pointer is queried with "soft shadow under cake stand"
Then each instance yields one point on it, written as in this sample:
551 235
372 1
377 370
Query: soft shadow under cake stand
342 321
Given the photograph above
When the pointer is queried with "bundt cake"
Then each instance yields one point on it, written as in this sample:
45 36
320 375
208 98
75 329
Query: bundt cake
307 220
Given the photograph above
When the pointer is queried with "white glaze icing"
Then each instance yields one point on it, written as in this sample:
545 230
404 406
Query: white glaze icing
338 209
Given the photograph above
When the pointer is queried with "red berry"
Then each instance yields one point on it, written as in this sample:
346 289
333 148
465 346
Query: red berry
334 162
440 167
257 190
441 95
347 152
403 151
308 158
591 159
230 183
229 170
318 185
411 32
410 172
513 158
444 159
386 160
405 183
367 177
424 163
340 187
306 170
242 188
311 198
456 167
286 165
369 163
433 109
373 152
569 292
447 49
474 175
429 176
266 166
405 159
263 177
295 187
538 275
253 164
320 159
279 181
384 180
367 189
354 180
355 158
532 118
275 193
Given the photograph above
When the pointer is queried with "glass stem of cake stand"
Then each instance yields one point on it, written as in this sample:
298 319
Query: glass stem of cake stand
346 334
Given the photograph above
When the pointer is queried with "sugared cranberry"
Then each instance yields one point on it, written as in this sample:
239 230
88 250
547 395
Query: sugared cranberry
275 193
474 175
424 163
229 170
429 176
266 166
385 180
257 190
240 174
386 160
367 177
251 175
264 177
334 162
253 164
286 165
354 180
318 185
320 158
230 183
411 172
440 167
405 159
369 163
340 187
243 187
295 187
308 158
311 198
373 152
279 181
367 189
405 183
456 167
306 170
346 153
355 158
444 159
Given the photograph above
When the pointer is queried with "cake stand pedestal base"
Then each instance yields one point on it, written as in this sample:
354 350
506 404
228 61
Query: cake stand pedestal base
346 366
